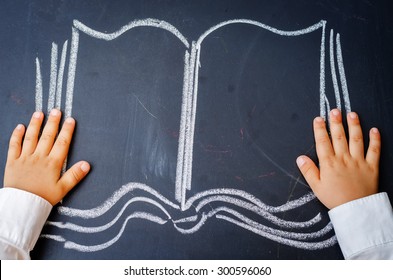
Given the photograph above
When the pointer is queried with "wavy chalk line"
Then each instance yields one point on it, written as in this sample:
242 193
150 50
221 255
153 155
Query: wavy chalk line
284 237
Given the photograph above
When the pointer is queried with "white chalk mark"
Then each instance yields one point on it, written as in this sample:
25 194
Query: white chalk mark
245 195
59 86
261 212
263 26
293 243
53 78
71 72
137 23
53 237
277 232
195 228
186 220
341 71
192 120
193 76
84 229
125 189
182 131
103 208
94 248
248 224
322 75
327 103
187 169
38 86
333 71
144 107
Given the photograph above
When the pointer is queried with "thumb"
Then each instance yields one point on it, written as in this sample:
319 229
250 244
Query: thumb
73 176
309 170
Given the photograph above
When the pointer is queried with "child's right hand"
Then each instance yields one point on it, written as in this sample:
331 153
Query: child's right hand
344 173
34 163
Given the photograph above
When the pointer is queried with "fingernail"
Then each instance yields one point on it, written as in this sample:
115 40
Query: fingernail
70 120
54 112
319 119
37 115
352 115
85 167
335 112
375 130
19 127
300 161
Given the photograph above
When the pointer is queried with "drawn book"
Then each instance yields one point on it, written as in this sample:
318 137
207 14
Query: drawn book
205 151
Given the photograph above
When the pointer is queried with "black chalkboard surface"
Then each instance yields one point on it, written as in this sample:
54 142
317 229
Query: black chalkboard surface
192 114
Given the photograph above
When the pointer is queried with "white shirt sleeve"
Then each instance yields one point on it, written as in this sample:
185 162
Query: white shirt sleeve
364 227
22 217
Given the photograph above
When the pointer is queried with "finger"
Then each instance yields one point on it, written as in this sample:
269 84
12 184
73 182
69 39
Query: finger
73 176
374 148
356 146
15 146
322 141
63 141
32 132
309 170
49 133
339 140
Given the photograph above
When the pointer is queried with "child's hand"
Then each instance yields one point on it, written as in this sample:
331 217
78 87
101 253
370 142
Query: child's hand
35 166
344 173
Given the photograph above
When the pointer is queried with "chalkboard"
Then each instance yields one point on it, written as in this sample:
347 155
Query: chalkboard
192 114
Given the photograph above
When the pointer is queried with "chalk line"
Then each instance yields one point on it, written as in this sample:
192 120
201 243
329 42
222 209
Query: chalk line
341 71
104 207
282 233
125 189
333 71
195 228
247 196
188 108
71 72
327 103
193 103
261 212
38 86
53 237
186 220
136 23
192 111
293 243
53 78
248 224
59 87
104 227
144 107
322 93
263 26
94 248
182 131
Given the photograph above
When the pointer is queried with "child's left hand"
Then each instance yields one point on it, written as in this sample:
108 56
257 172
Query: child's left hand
34 163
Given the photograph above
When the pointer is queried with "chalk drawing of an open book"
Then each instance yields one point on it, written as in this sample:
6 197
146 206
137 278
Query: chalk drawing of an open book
234 204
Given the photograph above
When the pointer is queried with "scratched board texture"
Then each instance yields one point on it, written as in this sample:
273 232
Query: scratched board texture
192 114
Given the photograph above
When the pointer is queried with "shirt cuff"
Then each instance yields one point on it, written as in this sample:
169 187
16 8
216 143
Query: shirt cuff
363 224
22 217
